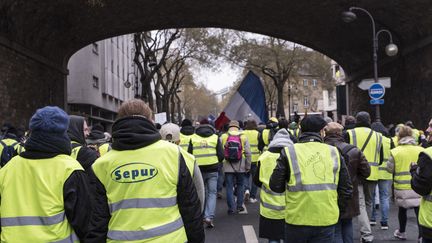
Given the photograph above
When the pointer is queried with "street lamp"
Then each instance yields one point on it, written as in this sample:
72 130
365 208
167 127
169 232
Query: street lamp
391 49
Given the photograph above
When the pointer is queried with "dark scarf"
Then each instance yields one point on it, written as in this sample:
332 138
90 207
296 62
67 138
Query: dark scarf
133 132
46 145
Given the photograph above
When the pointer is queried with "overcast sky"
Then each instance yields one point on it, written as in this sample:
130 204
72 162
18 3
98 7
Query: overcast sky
217 80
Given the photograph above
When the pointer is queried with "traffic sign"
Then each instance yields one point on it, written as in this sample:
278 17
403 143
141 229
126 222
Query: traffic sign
366 83
376 91
377 102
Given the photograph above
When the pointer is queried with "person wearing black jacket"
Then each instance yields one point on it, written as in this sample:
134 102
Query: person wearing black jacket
48 143
133 131
78 131
421 183
302 228
359 170
206 146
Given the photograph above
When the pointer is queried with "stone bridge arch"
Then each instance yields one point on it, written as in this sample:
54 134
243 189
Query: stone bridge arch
38 37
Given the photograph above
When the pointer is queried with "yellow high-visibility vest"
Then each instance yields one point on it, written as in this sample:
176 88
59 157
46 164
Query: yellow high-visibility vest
75 149
295 132
141 188
272 204
205 149
311 197
425 213
372 150
32 206
403 156
252 136
383 174
185 140
104 148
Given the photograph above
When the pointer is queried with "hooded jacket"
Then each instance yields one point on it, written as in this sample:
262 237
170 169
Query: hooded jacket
281 174
131 133
86 156
358 168
187 130
281 139
206 131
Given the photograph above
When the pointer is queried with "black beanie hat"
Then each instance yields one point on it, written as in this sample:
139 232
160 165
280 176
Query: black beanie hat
312 123
186 122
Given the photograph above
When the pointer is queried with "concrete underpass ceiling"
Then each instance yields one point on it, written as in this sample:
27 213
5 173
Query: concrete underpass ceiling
56 29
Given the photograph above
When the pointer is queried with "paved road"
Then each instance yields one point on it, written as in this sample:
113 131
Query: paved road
230 228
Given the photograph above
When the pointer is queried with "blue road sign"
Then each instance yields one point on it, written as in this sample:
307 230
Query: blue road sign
376 91
376 102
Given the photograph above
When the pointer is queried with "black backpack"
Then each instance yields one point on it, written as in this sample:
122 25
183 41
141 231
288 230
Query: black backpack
8 152
344 152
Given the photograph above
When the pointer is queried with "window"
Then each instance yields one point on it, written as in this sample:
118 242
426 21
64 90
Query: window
95 82
314 83
95 48
295 107
112 65
306 101
305 82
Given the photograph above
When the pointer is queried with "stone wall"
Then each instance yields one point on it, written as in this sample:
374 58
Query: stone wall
25 85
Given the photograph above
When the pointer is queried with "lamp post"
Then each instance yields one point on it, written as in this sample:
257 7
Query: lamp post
391 49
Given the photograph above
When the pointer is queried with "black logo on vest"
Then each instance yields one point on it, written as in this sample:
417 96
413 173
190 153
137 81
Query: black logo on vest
134 172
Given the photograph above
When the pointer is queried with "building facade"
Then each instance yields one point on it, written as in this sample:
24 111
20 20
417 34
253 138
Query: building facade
307 94
101 77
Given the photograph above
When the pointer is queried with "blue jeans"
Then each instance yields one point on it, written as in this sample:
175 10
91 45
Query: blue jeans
309 234
344 231
384 187
210 184
249 181
240 179
220 178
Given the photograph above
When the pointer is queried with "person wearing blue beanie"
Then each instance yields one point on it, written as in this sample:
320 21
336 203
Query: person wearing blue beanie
44 182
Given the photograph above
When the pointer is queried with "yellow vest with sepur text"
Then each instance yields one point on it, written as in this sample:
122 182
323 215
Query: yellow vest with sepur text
205 149
358 137
403 156
32 203
311 196
141 187
252 136
272 205
425 218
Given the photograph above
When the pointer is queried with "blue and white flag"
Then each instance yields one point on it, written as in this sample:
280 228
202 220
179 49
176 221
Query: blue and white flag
248 102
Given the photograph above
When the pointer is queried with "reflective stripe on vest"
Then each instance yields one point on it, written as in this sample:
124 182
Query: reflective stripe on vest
36 214
403 156
204 149
146 234
185 140
272 203
314 174
425 212
143 203
372 150
383 174
32 220
252 136
145 207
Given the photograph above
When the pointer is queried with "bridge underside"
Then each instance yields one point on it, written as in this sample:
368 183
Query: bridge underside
37 39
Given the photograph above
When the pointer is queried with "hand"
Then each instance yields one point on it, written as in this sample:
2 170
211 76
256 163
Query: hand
413 166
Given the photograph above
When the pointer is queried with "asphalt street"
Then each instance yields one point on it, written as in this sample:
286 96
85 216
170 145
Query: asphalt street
244 228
